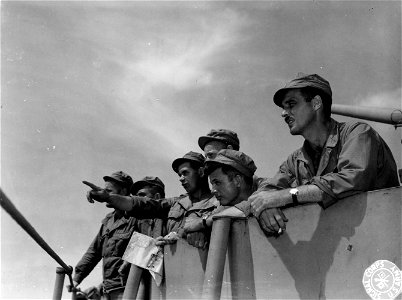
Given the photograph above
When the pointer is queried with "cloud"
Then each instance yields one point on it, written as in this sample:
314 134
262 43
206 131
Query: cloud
388 99
181 59
175 59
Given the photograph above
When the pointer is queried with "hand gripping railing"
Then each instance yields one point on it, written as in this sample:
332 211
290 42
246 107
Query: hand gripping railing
8 206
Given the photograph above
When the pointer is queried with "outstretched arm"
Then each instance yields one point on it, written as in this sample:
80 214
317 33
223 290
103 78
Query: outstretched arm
101 195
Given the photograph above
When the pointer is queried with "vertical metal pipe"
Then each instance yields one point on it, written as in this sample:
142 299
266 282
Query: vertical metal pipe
133 283
241 261
216 258
58 286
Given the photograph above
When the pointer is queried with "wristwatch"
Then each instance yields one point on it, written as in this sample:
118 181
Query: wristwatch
294 193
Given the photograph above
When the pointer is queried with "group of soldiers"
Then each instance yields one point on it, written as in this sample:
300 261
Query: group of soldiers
337 160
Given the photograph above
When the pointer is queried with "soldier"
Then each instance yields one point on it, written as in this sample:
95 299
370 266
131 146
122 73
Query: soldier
231 176
151 187
218 139
198 200
110 243
337 160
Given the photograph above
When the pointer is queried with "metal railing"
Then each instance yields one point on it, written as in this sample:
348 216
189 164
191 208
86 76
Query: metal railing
9 207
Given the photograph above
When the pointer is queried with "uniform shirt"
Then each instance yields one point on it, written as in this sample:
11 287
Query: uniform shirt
175 209
151 227
354 159
109 244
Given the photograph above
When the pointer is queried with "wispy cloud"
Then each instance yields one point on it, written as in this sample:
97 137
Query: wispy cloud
155 75
387 99
182 59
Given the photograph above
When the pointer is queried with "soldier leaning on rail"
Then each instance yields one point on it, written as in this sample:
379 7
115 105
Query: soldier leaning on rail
337 160
218 139
110 243
198 200
230 173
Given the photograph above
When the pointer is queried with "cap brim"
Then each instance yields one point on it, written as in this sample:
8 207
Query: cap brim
278 97
203 140
105 178
141 183
137 186
177 162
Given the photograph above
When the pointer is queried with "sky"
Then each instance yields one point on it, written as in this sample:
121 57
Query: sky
89 88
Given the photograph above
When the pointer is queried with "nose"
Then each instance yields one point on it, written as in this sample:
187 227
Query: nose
181 179
284 113
213 190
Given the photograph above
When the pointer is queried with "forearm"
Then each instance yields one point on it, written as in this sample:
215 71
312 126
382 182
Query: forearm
86 264
306 194
282 198
120 202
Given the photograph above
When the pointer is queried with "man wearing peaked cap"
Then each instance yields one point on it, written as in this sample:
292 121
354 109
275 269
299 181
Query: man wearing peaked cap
115 225
153 188
219 139
330 165
198 200
231 176
191 156
153 184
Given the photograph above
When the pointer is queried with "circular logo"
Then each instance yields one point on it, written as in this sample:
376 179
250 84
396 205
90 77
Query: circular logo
382 280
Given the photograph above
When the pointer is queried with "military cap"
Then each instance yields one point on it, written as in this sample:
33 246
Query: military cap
232 158
147 180
120 177
303 80
188 157
222 135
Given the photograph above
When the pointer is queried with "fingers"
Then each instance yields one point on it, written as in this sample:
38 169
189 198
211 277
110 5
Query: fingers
272 221
280 219
89 198
160 243
92 186
265 223
256 204
282 215
197 239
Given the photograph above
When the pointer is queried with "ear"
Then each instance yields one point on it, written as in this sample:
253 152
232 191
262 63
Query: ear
238 180
201 171
316 102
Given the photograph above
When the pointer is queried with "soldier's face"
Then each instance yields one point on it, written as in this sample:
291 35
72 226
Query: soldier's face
225 189
188 177
297 113
212 148
113 188
145 192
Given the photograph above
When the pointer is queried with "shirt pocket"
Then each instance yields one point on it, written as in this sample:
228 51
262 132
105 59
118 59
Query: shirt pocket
176 214
121 241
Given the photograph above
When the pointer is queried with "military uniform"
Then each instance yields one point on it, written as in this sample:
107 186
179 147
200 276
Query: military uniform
109 245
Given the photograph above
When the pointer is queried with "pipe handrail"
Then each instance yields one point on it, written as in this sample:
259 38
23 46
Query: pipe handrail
391 116
9 207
